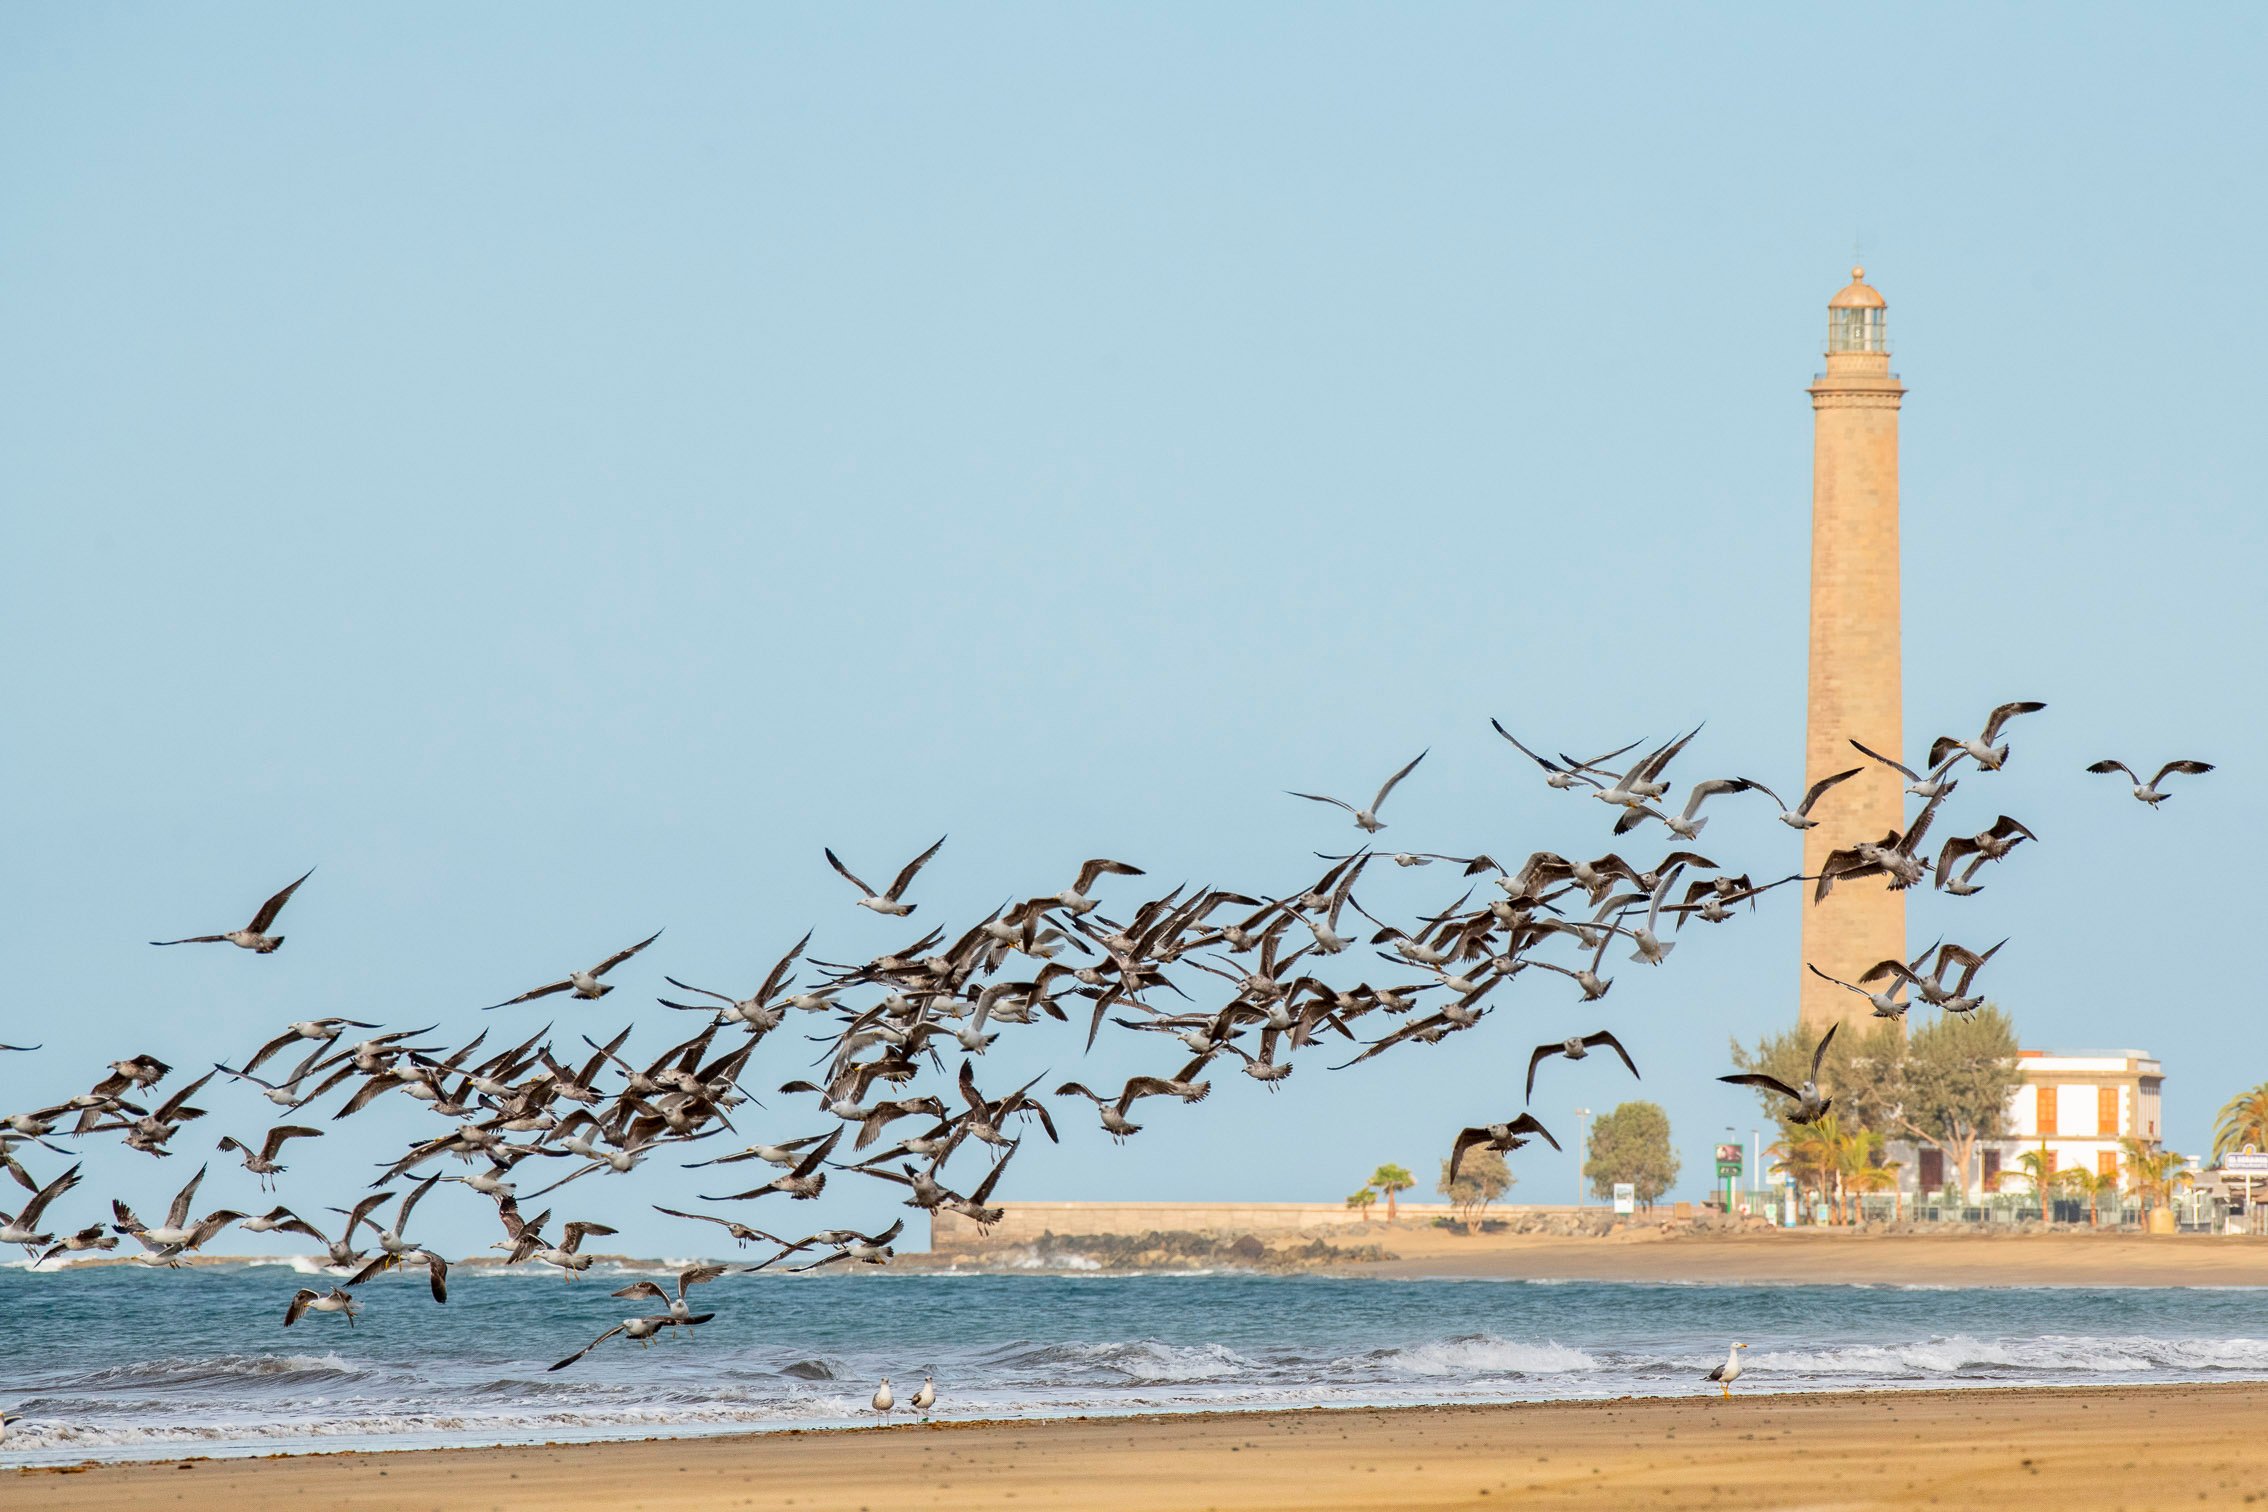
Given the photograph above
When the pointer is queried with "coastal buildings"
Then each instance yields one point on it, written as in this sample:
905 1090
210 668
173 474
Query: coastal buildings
2076 1105
1855 685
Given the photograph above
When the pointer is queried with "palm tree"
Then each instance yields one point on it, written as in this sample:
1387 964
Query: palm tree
1363 1201
1808 1152
1860 1166
1843 1161
2092 1185
2243 1121
1390 1179
2039 1169
2156 1172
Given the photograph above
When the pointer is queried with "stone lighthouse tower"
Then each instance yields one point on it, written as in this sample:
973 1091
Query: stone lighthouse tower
1855 688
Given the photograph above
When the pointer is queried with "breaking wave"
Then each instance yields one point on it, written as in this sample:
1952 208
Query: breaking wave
1483 1354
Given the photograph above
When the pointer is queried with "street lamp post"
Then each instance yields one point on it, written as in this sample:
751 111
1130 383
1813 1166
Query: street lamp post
1582 1149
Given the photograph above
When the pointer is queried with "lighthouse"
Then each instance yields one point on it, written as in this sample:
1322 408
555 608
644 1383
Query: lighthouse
1855 690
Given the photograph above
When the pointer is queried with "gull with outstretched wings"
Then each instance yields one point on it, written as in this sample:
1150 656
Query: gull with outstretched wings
253 936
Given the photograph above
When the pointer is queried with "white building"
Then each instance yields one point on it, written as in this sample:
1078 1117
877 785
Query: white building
2078 1104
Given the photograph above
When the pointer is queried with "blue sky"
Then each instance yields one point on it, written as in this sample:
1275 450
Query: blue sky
559 467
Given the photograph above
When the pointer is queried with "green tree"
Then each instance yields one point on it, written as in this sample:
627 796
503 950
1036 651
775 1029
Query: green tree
2243 1121
1864 1071
1363 1201
1392 1180
1482 1179
1632 1144
1959 1074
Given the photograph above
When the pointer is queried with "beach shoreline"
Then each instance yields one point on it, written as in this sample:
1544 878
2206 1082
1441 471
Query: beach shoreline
2080 1446
1827 1256
1646 1254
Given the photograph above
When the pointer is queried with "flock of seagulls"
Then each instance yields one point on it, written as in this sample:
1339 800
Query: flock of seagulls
1221 980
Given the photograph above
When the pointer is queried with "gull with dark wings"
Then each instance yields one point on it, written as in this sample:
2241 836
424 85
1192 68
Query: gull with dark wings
1810 1106
1573 774
253 936
1366 819
1799 817
584 984
640 1329
1503 1138
679 1311
892 902
2149 792
307 1300
1981 749
262 1162
1576 1047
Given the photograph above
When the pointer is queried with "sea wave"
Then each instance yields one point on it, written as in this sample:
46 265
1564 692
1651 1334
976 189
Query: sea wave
1482 1354
2061 1354
205 1373
1145 1362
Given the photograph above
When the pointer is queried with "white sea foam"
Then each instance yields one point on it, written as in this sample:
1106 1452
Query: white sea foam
1483 1354
1142 1361
2052 1353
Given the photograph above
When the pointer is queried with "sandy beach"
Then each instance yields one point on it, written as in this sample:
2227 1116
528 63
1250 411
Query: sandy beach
1827 1256
2074 1449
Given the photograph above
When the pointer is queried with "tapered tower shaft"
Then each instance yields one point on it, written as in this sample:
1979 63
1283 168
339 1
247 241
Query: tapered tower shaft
1855 687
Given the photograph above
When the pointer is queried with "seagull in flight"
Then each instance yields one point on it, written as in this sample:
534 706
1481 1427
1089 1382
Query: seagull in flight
584 984
307 1300
253 936
641 1329
1810 1107
890 902
1572 774
1503 1138
1366 819
1576 1047
1886 1004
2148 792
1799 817
1921 787
1982 750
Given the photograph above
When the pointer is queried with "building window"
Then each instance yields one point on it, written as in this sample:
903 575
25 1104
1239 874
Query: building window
2106 1163
1992 1170
2106 1110
1932 1169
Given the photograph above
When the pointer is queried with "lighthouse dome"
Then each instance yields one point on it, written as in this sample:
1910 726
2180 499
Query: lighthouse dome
1857 295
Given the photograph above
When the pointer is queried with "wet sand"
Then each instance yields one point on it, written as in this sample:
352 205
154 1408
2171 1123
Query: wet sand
2078 1448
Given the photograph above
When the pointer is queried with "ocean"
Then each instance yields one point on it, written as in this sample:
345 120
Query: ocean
129 1363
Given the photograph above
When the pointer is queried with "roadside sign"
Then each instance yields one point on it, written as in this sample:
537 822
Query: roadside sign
1728 1160
2245 1163
1625 1197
